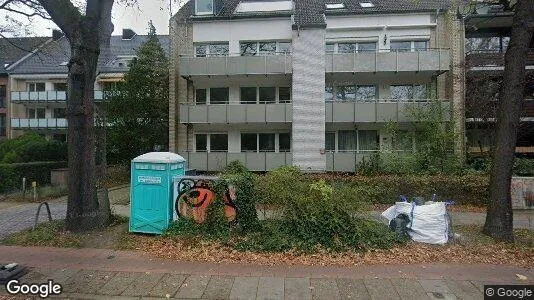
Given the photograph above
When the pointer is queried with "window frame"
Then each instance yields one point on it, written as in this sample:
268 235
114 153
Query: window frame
203 13
257 51
207 136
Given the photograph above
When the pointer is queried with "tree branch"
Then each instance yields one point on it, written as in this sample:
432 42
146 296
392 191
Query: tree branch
64 14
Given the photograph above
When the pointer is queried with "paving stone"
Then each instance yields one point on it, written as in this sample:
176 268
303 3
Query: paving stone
464 289
435 285
116 285
193 287
446 296
61 276
297 288
271 288
99 280
244 288
37 275
168 285
95 297
352 289
142 285
380 289
80 282
409 289
324 289
219 287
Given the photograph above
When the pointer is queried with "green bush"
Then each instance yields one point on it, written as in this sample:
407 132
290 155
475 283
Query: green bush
524 167
12 174
31 147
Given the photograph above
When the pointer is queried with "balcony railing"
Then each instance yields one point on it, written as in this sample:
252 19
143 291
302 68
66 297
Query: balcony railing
491 58
380 110
435 60
255 161
46 96
47 123
235 64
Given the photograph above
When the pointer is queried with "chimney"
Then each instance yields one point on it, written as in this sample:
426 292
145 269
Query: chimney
56 34
128 34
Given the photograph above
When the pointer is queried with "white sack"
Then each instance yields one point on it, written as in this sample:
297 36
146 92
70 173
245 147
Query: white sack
429 223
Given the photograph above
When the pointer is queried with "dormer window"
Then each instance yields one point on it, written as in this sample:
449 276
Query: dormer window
366 4
335 5
203 7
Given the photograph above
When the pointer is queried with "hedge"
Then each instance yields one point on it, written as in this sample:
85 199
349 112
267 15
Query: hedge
463 189
11 174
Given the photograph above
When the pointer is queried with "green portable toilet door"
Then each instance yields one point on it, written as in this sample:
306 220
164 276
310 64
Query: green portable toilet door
150 207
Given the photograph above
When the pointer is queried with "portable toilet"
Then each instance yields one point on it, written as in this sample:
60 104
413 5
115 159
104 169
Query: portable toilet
151 190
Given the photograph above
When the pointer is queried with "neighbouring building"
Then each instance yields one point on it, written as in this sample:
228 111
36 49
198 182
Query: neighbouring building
38 82
308 83
12 50
487 33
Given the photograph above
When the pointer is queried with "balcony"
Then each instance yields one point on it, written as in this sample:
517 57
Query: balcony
381 110
48 123
254 161
431 60
236 113
235 64
46 97
491 58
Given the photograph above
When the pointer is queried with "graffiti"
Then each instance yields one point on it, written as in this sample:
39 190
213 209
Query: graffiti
195 195
522 192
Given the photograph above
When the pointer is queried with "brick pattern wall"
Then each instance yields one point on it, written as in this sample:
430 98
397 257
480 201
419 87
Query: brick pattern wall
308 127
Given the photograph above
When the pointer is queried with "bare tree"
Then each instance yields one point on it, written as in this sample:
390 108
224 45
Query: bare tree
499 219
88 30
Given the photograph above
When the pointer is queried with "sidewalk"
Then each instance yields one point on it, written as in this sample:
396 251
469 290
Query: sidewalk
100 274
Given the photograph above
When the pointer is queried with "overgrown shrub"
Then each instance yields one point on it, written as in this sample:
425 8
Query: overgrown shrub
524 166
11 174
32 147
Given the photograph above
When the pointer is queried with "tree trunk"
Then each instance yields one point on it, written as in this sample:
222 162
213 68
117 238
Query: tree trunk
82 206
499 219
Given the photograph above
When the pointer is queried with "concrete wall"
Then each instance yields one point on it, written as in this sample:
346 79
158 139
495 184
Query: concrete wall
308 131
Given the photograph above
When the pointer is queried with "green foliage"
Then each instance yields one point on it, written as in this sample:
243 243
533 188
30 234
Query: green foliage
524 166
12 174
138 108
279 185
31 147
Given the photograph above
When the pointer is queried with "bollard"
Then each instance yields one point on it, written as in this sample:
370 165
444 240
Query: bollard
23 187
34 185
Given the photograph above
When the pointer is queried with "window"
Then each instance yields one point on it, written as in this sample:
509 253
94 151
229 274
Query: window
3 94
365 92
60 113
266 142
284 142
335 5
249 142
284 94
3 125
346 47
60 86
368 140
214 49
366 4
218 143
346 93
264 48
408 46
203 7
367 47
201 142
328 93
401 46
218 95
200 96
267 94
330 48
248 94
347 140
36 113
406 92
330 141
487 44
36 87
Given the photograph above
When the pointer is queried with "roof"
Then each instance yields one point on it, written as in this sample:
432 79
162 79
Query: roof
159 157
310 13
52 57
13 49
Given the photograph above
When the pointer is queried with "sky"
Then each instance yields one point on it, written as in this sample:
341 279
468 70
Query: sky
135 17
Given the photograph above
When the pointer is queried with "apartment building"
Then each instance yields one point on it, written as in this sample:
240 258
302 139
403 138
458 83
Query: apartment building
487 33
308 83
38 82
11 51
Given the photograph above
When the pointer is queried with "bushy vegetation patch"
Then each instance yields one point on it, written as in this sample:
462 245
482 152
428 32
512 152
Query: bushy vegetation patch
12 174
31 147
